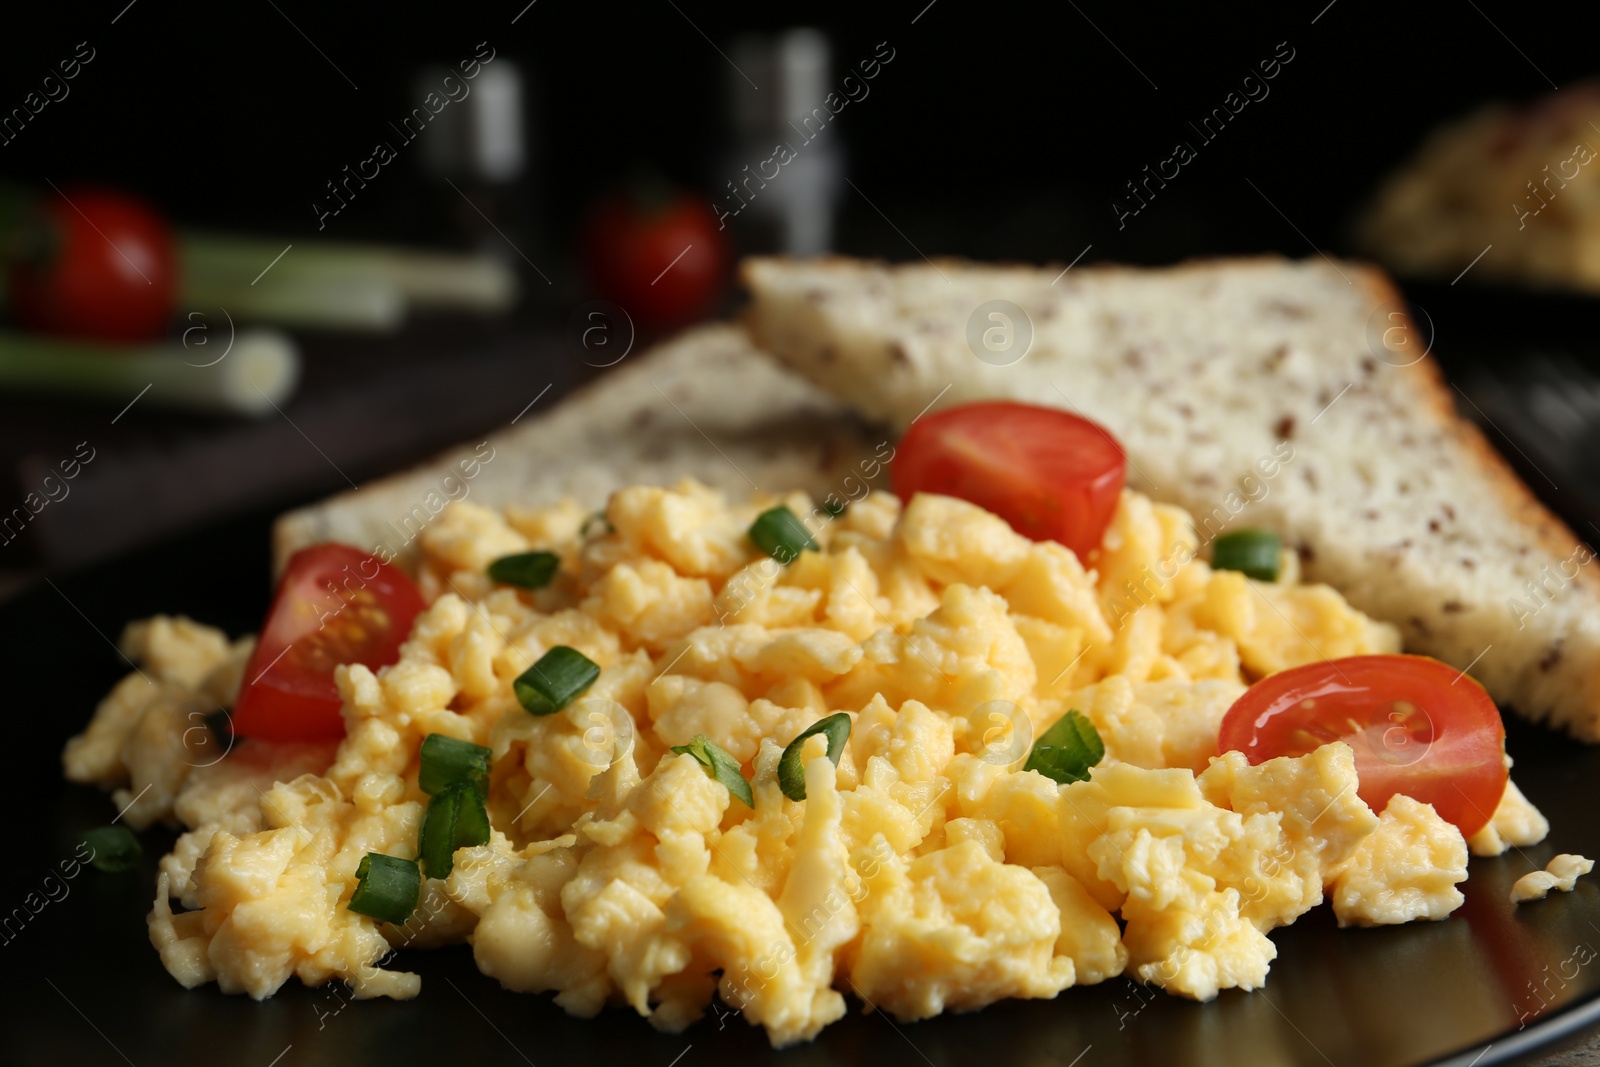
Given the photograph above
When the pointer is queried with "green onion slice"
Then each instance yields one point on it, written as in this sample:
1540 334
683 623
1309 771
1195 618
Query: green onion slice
791 775
530 570
447 760
455 819
781 535
386 888
718 765
115 848
1252 552
835 508
1067 750
559 677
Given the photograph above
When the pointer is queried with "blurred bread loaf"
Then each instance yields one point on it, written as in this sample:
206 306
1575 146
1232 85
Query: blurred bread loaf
1518 186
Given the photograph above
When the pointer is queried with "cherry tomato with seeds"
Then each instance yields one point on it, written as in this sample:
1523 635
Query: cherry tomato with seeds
1417 726
335 604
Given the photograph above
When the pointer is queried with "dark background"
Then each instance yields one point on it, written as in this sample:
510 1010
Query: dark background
997 131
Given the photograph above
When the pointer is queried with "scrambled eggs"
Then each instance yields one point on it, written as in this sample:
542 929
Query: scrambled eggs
1561 873
926 872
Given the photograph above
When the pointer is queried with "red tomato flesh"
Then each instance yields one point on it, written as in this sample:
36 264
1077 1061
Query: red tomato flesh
1417 726
665 263
1052 475
335 604
97 264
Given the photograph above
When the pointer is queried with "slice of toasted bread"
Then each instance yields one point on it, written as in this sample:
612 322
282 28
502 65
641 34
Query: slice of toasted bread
1257 393
706 405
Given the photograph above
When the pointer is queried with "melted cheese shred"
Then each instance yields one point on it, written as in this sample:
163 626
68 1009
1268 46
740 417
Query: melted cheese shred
926 872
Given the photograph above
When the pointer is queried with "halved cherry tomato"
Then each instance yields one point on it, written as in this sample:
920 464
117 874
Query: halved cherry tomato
1417 726
335 604
1050 474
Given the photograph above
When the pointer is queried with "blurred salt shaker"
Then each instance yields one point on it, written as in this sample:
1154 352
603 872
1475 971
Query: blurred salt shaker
478 144
792 210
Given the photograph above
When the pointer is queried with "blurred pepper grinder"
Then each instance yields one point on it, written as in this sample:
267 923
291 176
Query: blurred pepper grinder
780 182
476 151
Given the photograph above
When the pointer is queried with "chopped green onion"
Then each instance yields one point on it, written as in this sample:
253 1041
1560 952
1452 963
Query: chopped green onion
1253 552
781 535
455 819
386 888
115 848
596 525
835 508
530 570
791 775
1067 750
718 765
448 760
556 680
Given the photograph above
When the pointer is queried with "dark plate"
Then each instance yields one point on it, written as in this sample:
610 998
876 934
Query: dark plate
1489 984
84 986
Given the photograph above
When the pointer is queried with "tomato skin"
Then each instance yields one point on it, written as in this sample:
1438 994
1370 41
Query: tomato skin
1053 475
1444 745
335 604
631 253
97 264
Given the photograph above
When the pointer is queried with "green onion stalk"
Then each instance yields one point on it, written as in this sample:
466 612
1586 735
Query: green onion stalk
259 370
327 284
311 282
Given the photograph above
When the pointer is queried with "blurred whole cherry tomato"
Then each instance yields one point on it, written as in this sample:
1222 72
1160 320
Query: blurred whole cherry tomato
94 263
657 253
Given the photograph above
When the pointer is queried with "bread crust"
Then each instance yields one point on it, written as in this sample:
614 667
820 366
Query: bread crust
1547 529
651 419
1554 669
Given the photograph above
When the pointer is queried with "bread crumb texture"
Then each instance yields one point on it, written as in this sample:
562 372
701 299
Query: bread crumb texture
1293 396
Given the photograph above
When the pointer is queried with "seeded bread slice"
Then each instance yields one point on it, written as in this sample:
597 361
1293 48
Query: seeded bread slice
1256 393
706 405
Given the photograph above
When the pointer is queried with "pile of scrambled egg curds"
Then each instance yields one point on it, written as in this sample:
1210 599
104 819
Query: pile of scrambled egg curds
927 871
